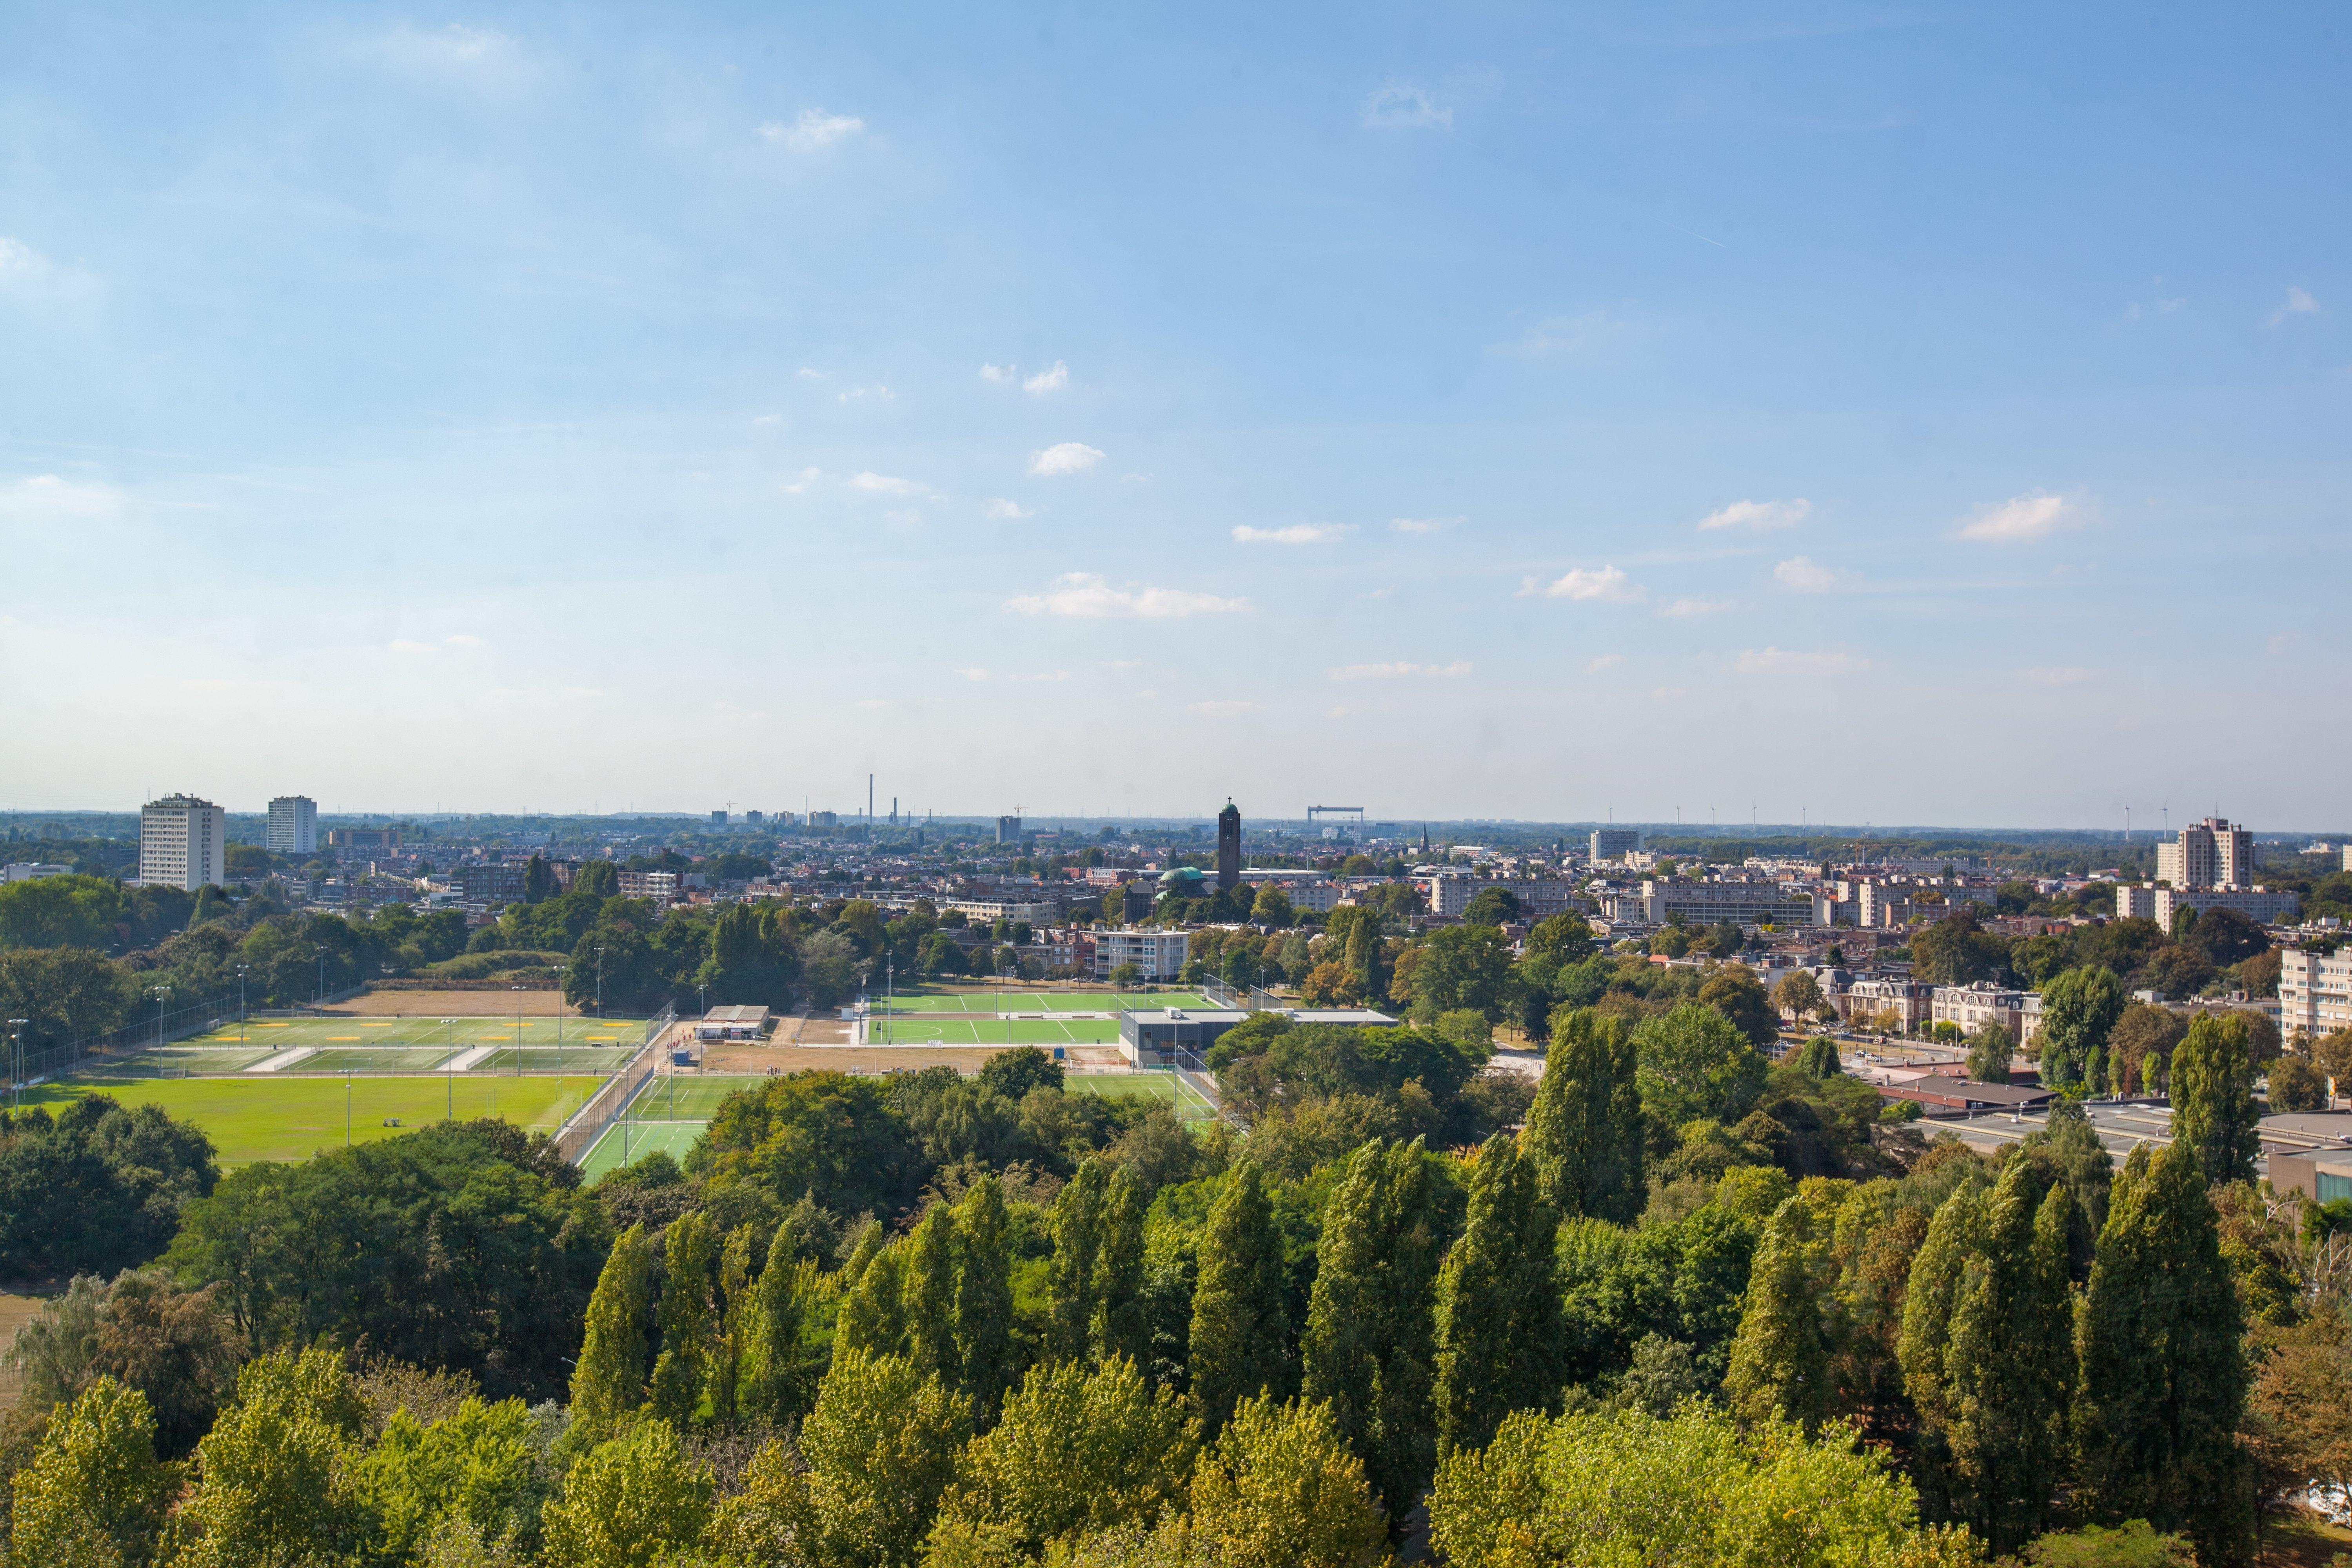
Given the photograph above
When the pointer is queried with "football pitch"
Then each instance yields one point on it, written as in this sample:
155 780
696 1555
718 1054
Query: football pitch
269 1117
267 1047
671 1113
989 1003
895 1031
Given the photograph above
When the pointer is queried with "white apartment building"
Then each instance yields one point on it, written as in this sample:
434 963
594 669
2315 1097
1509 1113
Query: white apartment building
1972 1006
1608 843
2315 992
2214 853
26 871
661 886
183 843
1156 955
293 826
2153 902
1708 902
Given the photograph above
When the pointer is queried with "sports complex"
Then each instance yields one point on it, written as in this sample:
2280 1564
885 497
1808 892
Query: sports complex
610 1091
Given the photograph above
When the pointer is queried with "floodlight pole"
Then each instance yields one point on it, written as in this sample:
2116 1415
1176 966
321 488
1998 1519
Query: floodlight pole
159 993
517 991
449 1069
559 1011
600 985
16 1058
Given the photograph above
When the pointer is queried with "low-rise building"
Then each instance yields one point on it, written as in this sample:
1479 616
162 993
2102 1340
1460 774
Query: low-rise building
661 886
2154 901
26 871
491 882
1711 903
2314 993
1894 1003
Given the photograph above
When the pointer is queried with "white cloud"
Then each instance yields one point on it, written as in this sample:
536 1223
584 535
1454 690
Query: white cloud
1605 662
1689 607
1086 596
974 673
1606 583
1064 457
402 645
1396 671
1127 664
1805 575
1567 334
880 395
1048 676
2299 302
1788 662
800 485
1669 693
1296 534
2023 518
1760 514
997 373
807 374
455 47
47 498
1422 525
1402 106
814 132
1048 380
1004 511
884 485
461 639
2054 676
1221 709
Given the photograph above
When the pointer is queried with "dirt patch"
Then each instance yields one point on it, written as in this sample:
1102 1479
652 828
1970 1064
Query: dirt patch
18 1306
718 1058
2302 1539
452 1005
815 1031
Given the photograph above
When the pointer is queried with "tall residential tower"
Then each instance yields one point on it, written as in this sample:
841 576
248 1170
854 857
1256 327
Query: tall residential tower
293 826
183 843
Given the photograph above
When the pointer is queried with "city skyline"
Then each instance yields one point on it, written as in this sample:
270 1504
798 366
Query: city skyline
1516 414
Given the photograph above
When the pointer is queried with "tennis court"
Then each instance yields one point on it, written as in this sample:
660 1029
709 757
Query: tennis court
992 1031
990 1003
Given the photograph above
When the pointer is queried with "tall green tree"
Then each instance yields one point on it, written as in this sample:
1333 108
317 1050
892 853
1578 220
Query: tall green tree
1584 1132
1122 1321
926 1295
2164 1376
94 1493
686 1317
1988 1352
1368 1349
631 1501
1074 1275
780 1368
1780 1356
1497 1305
2213 1109
1696 1065
881 1447
2079 1009
1241 1330
873 1318
983 1301
610 1380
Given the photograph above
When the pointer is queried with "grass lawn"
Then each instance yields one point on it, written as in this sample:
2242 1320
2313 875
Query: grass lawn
992 1031
260 1117
991 1001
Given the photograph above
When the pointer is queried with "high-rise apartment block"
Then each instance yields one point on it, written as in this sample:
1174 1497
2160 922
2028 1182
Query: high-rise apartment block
1008 829
183 843
2214 853
293 826
1608 843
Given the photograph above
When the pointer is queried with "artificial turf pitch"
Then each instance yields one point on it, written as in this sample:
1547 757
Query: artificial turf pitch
990 1032
265 1117
989 1003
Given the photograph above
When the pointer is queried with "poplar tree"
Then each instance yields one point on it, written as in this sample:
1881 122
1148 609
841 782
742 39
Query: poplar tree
723 1376
779 1376
1584 1132
1075 1275
872 1319
686 1318
2164 1376
1940 1272
1240 1329
1780 1356
1498 1306
926 1295
610 1379
1122 1322
983 1303
2212 1088
1368 1349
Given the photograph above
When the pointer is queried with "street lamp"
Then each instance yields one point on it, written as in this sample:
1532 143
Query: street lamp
559 1010
517 991
17 1057
159 993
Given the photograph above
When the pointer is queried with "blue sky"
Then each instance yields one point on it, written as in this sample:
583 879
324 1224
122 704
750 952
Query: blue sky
1892 414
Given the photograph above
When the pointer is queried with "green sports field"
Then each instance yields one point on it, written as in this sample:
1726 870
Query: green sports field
992 1031
988 1003
339 1045
251 1118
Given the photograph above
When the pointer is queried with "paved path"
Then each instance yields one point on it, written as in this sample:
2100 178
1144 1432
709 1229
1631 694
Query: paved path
466 1061
284 1059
